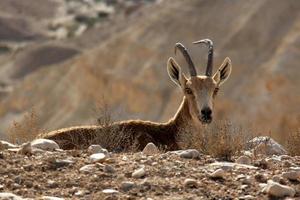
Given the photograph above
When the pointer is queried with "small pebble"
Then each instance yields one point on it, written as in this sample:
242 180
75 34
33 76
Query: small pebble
97 157
6 145
190 183
189 154
110 191
277 190
126 186
139 173
88 168
51 198
150 149
95 148
219 173
52 184
9 196
247 197
109 169
291 175
44 144
243 160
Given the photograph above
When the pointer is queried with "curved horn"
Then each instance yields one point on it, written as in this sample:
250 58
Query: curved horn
187 57
210 45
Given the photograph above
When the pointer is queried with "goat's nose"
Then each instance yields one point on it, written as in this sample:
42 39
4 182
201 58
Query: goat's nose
206 112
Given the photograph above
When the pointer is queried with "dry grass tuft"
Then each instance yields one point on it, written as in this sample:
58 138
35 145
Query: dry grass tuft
222 140
103 112
25 130
293 143
110 135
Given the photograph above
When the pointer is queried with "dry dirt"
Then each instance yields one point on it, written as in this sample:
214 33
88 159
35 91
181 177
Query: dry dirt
57 174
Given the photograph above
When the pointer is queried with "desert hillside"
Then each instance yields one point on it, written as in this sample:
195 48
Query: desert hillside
64 79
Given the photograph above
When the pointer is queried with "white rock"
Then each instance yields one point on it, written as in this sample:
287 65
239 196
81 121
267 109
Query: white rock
44 144
81 29
88 168
190 183
139 173
97 157
230 165
51 198
79 193
9 196
244 186
189 153
276 158
219 173
95 148
266 146
103 8
126 186
150 149
247 197
52 184
7 145
295 168
291 175
110 191
277 190
243 160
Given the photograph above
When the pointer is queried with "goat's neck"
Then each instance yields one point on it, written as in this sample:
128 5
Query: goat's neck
183 118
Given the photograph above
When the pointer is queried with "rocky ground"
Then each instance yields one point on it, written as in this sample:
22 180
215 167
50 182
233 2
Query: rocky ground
39 170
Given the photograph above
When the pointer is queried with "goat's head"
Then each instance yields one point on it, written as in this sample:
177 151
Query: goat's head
199 91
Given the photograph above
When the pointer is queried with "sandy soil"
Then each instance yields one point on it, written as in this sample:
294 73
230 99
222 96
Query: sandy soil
58 174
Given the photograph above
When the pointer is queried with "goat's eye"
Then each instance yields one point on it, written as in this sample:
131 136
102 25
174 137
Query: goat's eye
215 91
188 91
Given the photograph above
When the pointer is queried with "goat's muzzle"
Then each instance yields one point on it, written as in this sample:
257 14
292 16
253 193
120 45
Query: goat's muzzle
206 115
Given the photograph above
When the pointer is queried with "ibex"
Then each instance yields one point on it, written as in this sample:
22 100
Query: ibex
195 110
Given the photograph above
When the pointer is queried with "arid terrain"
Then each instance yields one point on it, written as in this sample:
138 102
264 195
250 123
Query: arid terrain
31 172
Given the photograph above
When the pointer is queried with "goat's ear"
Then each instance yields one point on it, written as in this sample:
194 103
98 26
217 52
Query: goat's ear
223 72
174 71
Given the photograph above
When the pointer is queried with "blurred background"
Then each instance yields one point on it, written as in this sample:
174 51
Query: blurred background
59 59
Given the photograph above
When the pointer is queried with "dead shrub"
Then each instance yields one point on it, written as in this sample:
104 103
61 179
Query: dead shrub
25 130
221 139
110 135
103 112
292 143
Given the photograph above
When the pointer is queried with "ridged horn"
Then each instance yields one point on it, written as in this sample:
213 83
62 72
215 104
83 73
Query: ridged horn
209 44
187 57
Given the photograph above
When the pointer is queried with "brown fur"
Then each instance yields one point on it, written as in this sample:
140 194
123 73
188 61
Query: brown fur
133 133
